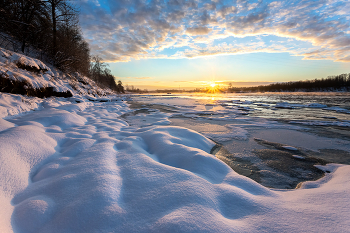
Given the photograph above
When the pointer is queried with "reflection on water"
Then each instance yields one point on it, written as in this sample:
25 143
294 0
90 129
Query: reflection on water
319 106
328 98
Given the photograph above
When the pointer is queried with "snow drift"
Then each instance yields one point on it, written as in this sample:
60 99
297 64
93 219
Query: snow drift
83 169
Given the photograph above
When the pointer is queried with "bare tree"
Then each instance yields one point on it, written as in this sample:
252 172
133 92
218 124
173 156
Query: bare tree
22 18
103 76
51 28
61 11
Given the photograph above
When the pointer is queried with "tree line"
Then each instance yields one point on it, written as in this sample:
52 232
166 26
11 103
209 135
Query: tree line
331 83
100 73
51 27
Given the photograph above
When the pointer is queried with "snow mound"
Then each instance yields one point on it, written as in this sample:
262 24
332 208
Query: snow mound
15 104
4 125
24 61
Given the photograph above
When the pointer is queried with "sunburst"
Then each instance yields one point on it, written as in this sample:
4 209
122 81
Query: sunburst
213 88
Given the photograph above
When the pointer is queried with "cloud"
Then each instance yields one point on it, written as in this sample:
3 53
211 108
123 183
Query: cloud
345 59
198 31
138 77
120 30
185 81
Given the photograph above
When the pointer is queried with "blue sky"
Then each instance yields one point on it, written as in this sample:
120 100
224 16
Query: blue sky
190 43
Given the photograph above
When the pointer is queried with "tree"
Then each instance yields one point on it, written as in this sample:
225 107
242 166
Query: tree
22 19
51 29
120 87
103 76
61 11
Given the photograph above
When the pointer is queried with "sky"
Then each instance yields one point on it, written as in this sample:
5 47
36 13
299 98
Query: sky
155 44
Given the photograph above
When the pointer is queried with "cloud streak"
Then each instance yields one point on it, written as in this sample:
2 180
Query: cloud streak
120 30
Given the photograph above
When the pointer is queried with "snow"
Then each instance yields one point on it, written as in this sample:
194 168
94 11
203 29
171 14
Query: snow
88 164
16 104
35 75
84 169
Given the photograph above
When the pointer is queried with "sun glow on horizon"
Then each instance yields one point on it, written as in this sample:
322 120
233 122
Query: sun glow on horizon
213 88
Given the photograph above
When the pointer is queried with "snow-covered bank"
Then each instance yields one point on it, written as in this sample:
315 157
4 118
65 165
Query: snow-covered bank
79 167
21 74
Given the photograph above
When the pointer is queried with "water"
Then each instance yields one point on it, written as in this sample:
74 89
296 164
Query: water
253 130
297 105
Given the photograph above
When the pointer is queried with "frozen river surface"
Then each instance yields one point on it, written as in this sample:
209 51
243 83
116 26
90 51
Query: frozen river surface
273 138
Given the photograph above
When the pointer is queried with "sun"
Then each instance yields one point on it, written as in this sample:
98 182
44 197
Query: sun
213 88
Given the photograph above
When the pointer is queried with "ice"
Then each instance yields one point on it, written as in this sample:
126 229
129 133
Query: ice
234 132
262 105
247 102
316 105
323 123
329 117
337 109
290 148
149 118
288 105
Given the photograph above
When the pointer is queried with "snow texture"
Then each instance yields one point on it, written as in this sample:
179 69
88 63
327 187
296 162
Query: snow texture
73 168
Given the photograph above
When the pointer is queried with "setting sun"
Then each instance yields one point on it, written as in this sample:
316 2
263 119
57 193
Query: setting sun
213 88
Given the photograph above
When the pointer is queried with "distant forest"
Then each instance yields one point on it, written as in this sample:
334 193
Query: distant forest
49 30
332 83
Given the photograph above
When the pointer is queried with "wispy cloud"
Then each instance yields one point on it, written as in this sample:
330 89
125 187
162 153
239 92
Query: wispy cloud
120 30
137 78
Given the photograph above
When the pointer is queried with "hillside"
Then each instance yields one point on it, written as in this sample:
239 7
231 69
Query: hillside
20 74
